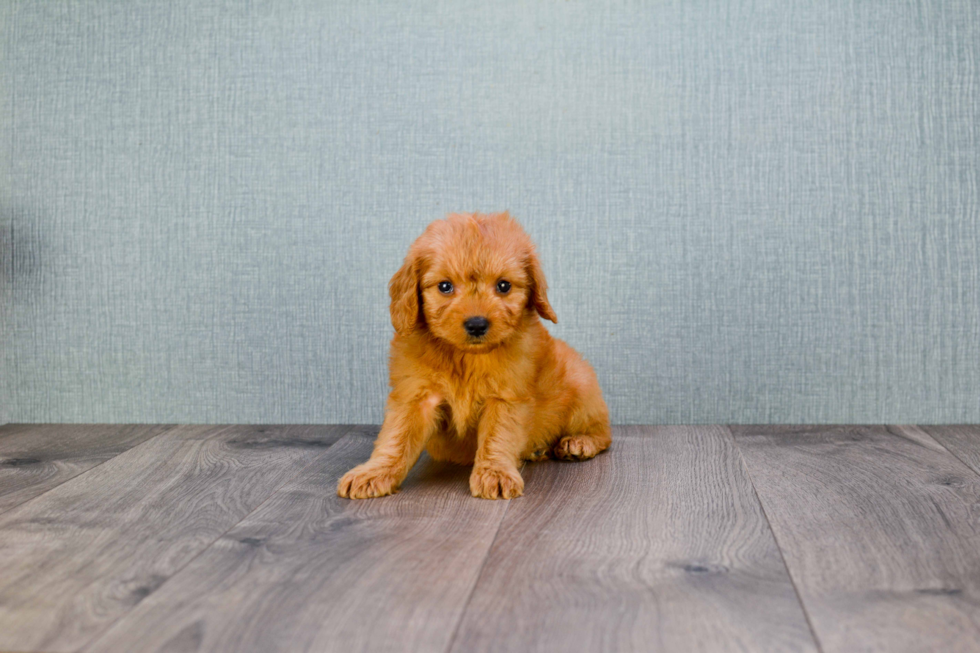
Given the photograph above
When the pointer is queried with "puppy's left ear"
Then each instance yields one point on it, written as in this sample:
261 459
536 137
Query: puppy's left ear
406 313
539 289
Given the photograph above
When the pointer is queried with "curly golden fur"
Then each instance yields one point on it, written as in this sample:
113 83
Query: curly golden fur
475 377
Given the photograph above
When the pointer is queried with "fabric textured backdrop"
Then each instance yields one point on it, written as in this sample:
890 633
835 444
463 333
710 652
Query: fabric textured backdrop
747 211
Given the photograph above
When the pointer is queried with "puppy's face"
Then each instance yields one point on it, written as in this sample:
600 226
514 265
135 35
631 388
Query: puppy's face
469 280
474 302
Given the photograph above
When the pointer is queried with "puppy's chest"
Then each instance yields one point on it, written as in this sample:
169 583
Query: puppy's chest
465 404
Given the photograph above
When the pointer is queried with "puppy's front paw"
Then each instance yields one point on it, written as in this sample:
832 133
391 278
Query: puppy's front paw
496 483
367 481
576 447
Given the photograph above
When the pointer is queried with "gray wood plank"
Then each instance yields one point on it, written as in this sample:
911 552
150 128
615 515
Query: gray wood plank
37 457
962 441
880 529
309 571
78 557
658 545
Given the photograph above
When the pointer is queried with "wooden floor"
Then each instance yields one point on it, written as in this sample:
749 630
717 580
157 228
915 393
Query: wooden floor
680 538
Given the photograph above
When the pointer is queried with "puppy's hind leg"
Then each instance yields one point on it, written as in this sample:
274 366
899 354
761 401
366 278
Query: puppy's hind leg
587 435
581 446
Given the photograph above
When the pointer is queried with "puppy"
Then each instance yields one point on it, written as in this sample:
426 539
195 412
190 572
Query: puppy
475 377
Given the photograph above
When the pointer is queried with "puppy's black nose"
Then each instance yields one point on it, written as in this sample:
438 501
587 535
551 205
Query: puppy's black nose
476 326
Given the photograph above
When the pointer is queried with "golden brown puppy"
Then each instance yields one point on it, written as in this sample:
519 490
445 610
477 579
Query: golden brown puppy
475 377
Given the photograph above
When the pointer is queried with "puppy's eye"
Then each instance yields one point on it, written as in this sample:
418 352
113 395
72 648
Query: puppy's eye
503 287
445 287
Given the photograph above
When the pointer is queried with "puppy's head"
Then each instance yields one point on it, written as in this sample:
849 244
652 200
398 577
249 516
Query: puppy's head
470 280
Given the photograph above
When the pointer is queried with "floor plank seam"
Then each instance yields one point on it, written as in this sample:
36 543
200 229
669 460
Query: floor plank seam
168 429
775 538
479 575
176 572
925 429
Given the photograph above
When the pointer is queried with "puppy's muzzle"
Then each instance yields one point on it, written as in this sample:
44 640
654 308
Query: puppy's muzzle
476 326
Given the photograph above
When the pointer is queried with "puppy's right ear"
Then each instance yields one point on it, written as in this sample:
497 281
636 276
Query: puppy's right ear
539 288
406 305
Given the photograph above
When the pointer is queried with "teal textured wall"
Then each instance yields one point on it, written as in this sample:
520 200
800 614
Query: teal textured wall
747 211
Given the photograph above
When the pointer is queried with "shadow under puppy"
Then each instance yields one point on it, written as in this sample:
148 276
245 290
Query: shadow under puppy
475 377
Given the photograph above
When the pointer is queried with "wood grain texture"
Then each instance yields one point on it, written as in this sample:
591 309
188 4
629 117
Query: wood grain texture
309 571
963 441
880 529
659 545
80 556
37 457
